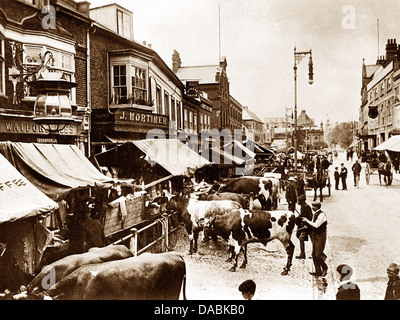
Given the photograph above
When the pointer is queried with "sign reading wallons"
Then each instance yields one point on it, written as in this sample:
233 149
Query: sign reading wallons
29 127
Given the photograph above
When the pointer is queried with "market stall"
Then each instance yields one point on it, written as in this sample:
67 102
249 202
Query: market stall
23 238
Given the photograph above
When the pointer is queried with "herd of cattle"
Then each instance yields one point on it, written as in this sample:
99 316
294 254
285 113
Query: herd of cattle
241 211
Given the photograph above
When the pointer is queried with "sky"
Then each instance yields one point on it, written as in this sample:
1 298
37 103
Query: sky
258 37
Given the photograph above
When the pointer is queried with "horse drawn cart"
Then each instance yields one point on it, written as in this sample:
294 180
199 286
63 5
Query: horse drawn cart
383 168
318 180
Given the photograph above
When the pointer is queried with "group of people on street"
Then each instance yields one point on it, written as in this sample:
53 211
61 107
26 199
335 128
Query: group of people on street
341 176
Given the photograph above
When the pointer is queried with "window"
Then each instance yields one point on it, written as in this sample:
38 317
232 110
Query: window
186 119
130 86
190 120
35 3
159 101
382 88
2 67
123 24
62 61
139 92
179 114
201 121
166 104
120 89
195 122
173 117
389 84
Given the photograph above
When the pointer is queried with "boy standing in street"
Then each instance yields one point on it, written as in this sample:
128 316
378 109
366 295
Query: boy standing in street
337 178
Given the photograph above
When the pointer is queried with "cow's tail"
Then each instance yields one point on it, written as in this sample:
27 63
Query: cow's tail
184 287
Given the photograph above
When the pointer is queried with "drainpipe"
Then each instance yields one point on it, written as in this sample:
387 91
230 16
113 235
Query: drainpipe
88 112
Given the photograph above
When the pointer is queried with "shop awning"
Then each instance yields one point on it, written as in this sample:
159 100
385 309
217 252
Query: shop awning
218 156
354 143
173 155
236 144
391 144
20 199
53 168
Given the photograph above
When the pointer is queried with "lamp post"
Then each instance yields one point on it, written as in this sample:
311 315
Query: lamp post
298 56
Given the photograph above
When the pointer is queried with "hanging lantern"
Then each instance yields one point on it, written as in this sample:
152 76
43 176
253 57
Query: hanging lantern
53 110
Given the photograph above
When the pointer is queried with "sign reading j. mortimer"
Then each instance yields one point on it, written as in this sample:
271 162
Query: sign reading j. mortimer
142 118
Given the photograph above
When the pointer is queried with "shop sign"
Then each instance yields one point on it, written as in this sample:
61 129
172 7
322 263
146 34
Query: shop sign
141 118
29 127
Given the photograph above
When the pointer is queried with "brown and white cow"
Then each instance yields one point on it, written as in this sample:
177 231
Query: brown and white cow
145 277
241 227
194 212
225 196
264 189
59 269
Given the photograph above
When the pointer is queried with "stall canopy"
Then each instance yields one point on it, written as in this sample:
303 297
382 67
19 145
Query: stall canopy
20 199
391 144
171 154
220 157
53 168
240 148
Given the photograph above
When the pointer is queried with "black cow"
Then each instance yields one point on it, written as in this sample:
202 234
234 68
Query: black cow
145 277
264 189
240 227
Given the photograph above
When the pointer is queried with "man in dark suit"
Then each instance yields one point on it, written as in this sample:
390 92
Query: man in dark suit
291 196
343 176
303 230
348 290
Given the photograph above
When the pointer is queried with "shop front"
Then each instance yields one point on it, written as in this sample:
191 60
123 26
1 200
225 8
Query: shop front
24 129
112 128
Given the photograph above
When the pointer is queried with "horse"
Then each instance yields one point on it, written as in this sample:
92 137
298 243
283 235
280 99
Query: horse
318 181
385 169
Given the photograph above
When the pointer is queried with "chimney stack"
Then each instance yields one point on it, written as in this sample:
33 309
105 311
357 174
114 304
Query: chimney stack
176 61
391 50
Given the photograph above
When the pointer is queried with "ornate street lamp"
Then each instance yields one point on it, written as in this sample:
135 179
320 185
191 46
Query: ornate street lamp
298 56
53 110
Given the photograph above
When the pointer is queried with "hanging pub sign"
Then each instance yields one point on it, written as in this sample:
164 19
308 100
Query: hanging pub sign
372 112
191 89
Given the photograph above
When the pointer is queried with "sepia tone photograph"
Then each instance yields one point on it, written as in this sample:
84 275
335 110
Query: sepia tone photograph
215 151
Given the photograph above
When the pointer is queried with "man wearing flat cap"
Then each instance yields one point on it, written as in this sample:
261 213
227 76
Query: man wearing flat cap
393 286
303 229
318 239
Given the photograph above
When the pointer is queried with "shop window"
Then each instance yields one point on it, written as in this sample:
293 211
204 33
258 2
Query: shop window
179 114
195 122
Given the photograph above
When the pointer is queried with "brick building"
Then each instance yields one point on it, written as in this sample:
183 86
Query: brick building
25 35
213 80
132 89
379 113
